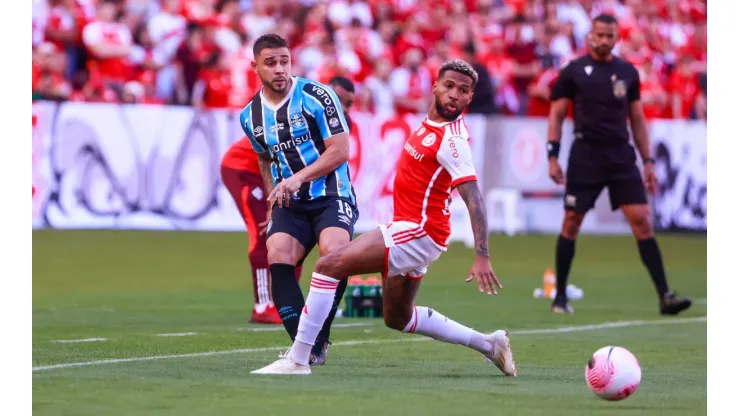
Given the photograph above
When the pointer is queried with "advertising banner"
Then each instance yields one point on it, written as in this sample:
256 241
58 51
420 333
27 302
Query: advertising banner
156 167
680 152
518 144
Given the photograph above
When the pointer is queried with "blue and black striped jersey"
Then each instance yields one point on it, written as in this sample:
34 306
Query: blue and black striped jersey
293 132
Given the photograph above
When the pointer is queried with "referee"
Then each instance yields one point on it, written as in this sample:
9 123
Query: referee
605 92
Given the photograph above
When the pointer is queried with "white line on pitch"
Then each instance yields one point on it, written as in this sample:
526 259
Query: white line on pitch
606 325
280 328
70 341
179 334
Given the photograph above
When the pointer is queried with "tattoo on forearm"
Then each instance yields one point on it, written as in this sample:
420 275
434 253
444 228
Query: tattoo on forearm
471 194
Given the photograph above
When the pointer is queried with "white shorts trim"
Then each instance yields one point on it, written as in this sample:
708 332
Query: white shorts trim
408 249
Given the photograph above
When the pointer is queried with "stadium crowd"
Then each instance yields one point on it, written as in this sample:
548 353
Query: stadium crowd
198 52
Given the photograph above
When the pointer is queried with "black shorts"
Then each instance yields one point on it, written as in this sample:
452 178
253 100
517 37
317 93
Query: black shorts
591 167
305 220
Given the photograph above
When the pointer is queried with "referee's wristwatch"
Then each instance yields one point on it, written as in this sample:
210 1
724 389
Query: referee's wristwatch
648 160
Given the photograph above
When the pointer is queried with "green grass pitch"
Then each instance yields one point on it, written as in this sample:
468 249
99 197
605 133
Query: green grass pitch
120 290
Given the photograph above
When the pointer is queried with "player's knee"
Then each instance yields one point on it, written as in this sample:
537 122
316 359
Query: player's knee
282 258
332 239
331 264
572 224
642 228
332 246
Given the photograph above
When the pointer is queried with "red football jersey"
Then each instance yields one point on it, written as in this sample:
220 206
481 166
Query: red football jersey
435 159
241 156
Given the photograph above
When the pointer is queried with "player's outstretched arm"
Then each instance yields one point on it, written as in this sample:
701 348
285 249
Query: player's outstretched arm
473 198
481 270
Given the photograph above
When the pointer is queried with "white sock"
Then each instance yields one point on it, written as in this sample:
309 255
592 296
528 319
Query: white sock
428 322
318 305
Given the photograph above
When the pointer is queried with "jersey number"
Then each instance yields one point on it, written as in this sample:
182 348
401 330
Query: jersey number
345 209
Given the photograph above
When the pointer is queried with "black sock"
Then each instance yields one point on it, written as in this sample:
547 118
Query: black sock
564 253
653 261
326 329
287 296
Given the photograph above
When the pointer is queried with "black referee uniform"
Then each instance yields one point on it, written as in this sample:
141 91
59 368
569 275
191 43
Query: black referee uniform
601 155
605 92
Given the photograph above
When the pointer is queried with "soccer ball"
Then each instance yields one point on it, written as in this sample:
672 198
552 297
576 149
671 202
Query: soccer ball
613 373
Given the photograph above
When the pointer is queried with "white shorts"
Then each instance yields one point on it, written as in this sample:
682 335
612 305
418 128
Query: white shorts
408 249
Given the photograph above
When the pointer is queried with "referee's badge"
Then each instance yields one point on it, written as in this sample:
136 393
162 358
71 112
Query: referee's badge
620 88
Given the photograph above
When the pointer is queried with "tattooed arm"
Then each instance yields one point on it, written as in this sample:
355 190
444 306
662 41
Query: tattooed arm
471 194
455 156
481 270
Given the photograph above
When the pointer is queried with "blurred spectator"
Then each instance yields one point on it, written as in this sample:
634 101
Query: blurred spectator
171 51
213 88
64 29
684 88
167 31
701 102
342 12
411 83
48 65
258 21
483 100
381 99
192 54
108 43
653 96
526 63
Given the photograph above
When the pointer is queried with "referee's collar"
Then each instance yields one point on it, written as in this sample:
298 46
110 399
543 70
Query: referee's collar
436 124
294 83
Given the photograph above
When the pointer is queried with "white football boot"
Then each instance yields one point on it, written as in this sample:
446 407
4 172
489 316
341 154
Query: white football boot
284 366
501 352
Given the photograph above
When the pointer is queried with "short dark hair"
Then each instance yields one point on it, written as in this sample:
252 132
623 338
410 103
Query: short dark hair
605 18
343 82
268 41
461 67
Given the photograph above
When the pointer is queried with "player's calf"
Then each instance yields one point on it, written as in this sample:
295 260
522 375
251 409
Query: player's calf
564 253
284 252
398 317
399 293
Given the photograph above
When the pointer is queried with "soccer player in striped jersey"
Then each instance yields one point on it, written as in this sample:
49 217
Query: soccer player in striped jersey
299 131
436 159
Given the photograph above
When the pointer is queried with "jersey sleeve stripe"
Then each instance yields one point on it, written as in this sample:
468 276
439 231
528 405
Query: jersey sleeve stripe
464 179
325 121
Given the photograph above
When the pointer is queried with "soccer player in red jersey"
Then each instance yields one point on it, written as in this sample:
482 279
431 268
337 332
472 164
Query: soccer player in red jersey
240 173
436 159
